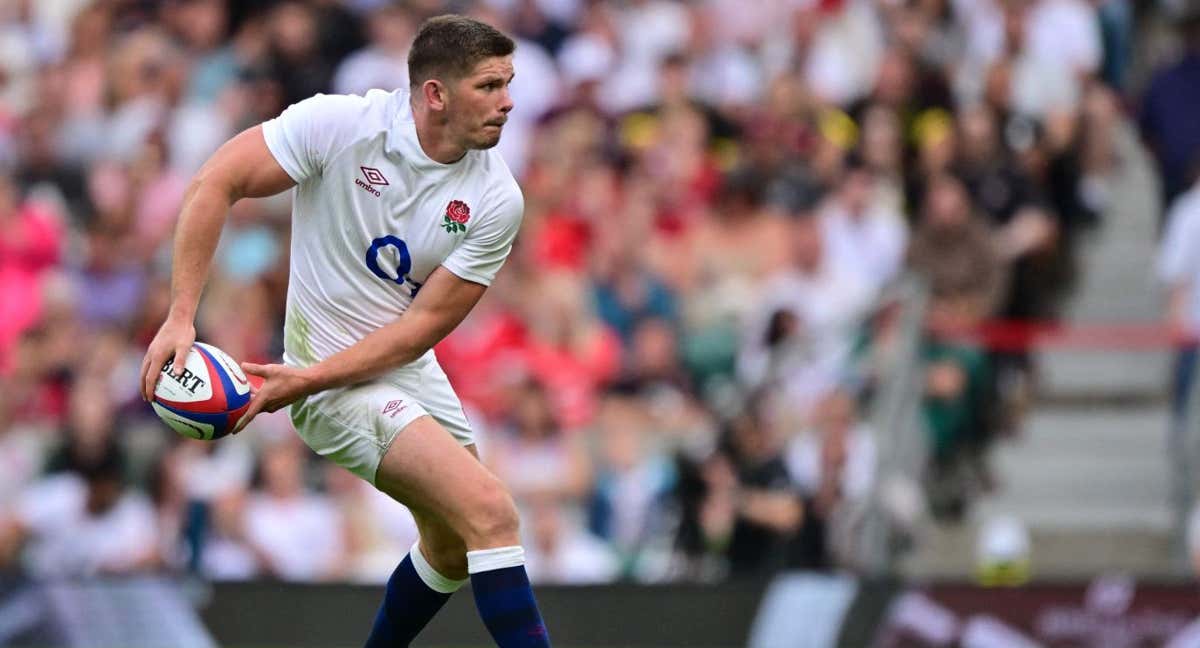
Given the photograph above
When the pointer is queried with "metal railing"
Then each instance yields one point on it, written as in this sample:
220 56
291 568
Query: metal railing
895 417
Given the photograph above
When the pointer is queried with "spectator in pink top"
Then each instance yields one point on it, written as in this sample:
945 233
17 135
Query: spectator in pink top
30 240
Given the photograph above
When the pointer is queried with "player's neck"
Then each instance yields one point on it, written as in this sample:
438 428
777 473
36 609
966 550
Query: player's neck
434 136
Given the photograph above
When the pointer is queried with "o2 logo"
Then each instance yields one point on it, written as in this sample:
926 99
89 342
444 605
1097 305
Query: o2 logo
403 266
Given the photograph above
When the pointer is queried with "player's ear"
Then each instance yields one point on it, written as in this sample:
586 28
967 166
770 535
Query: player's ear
434 92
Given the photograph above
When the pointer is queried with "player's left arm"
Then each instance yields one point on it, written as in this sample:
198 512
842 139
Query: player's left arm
443 302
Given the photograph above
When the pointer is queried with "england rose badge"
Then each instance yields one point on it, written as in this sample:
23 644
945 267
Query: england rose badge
457 215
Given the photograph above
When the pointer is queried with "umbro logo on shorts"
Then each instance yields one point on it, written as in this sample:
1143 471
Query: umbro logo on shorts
394 407
374 178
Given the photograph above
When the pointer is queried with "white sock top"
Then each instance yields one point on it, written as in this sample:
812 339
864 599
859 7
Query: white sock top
432 578
493 559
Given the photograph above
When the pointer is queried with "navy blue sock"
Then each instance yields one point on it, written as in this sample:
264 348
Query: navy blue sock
408 605
505 600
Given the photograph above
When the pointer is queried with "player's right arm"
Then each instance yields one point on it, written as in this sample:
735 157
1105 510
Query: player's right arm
242 168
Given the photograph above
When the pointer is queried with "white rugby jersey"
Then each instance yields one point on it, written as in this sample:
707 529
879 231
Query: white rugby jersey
373 216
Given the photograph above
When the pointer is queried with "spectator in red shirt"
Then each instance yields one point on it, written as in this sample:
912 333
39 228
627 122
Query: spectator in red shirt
570 349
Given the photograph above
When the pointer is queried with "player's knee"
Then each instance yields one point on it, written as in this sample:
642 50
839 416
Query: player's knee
492 520
449 559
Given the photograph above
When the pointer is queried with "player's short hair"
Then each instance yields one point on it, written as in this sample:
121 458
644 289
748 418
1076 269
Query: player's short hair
449 47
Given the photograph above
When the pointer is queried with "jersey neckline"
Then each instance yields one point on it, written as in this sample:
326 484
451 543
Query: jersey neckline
404 139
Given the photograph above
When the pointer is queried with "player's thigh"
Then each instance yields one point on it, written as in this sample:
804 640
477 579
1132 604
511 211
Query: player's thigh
427 469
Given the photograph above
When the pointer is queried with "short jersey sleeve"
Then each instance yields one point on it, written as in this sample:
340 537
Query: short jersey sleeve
309 133
486 245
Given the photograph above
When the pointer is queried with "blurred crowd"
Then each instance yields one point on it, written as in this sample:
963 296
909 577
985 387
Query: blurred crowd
675 371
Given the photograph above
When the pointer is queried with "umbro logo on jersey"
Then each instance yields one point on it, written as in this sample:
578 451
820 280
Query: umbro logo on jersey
394 407
373 175
374 178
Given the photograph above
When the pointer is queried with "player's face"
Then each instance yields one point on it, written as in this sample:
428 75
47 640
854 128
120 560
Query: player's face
480 103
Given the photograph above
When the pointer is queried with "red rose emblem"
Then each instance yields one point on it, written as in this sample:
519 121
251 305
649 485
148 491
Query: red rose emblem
458 211
457 215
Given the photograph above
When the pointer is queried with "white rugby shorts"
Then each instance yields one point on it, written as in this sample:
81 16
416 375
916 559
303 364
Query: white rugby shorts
354 426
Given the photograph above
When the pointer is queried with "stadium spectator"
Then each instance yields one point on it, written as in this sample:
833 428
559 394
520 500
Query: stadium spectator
384 62
1177 265
633 485
535 456
562 551
22 449
765 508
295 533
227 553
375 530
1179 270
294 30
568 348
800 336
30 244
201 26
861 233
204 474
111 277
627 294
956 252
83 522
833 468
1166 117
739 507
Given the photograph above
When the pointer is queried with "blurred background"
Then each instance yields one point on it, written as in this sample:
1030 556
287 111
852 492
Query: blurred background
831 322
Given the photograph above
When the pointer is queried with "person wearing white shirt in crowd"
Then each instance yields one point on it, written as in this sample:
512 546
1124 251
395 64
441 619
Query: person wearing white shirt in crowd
861 233
1039 52
82 523
375 530
839 455
210 470
561 551
801 332
649 31
833 467
382 64
226 555
1067 31
1179 270
590 53
22 449
295 532
632 477
843 60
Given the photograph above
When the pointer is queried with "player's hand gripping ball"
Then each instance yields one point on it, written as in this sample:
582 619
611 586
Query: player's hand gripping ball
208 398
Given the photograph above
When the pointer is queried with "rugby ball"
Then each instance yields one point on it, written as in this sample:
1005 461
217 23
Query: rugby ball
207 399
